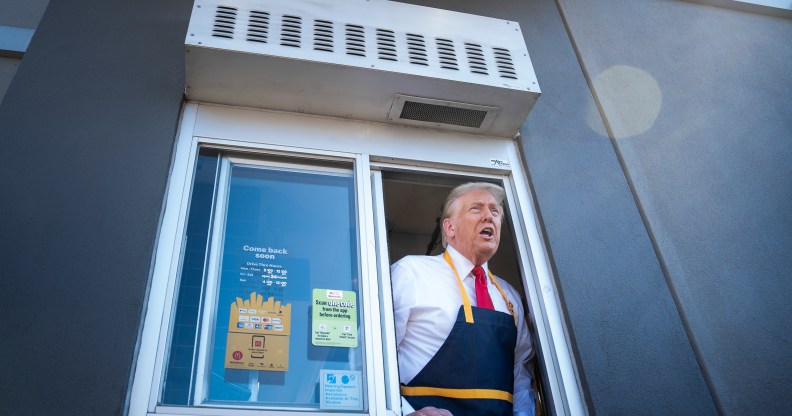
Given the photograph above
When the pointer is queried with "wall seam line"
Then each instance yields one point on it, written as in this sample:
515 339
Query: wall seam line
634 193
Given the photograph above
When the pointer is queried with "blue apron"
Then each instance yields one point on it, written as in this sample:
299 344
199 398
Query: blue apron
473 371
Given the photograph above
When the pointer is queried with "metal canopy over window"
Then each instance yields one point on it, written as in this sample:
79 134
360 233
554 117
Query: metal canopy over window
358 59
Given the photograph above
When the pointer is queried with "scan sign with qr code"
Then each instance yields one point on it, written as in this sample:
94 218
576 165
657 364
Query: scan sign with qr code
334 318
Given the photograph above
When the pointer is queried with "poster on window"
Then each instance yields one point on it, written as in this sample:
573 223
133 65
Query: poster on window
258 334
340 390
334 318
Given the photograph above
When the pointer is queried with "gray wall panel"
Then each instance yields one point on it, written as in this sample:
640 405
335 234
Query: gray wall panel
634 355
699 101
88 128
22 13
8 67
629 338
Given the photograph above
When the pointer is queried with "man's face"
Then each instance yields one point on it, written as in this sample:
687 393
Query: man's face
474 226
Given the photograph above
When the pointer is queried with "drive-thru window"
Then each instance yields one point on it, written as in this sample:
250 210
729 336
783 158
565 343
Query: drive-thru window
271 287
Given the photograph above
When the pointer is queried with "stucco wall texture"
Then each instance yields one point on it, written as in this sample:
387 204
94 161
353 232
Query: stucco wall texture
697 99
87 126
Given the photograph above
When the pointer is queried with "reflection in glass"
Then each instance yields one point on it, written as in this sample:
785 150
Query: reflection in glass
286 231
181 360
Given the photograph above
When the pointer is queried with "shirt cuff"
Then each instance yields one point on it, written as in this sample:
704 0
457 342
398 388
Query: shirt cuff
407 409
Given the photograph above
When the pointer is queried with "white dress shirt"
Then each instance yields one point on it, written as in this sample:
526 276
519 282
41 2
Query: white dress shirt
426 301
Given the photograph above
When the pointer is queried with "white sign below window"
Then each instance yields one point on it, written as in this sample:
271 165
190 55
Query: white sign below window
340 390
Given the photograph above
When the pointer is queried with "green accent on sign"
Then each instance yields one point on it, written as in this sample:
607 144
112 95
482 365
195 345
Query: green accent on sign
334 318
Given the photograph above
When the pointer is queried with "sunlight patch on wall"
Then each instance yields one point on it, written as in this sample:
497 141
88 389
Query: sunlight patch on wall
631 100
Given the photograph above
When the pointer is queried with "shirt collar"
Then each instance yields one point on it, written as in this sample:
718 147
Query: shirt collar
462 264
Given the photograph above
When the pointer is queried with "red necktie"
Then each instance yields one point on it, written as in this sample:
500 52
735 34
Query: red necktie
482 294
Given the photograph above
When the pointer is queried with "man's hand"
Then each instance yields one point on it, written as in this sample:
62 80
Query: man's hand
431 411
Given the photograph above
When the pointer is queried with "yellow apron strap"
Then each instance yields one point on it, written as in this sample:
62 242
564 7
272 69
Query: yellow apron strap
466 300
508 302
458 393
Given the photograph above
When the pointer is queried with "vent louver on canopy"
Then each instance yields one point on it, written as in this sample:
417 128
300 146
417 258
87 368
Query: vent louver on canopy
351 59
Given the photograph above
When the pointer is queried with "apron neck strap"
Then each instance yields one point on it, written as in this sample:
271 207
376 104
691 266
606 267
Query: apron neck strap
466 300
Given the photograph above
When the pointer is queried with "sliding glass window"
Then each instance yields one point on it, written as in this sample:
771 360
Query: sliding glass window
267 305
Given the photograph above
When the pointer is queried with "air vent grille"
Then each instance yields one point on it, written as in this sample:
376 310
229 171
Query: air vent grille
258 26
416 49
291 31
224 22
505 63
386 45
355 40
433 113
323 35
447 54
476 60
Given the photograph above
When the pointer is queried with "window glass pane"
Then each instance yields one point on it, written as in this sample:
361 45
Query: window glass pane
287 231
179 370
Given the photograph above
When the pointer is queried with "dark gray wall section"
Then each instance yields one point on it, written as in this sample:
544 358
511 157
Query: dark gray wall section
630 341
713 172
88 126
22 13
19 14
8 67
634 355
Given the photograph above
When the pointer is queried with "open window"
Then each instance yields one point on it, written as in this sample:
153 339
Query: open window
412 201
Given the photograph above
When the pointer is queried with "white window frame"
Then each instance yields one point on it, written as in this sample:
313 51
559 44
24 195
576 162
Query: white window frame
370 147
